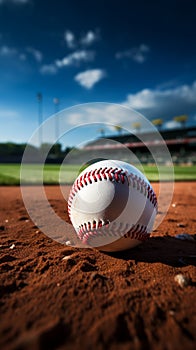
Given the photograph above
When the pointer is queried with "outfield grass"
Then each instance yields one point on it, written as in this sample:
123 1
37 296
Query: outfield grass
10 174
53 174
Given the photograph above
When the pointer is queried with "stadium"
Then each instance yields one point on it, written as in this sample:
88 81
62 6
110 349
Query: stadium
180 142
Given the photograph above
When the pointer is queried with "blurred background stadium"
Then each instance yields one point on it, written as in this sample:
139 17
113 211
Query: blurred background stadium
181 143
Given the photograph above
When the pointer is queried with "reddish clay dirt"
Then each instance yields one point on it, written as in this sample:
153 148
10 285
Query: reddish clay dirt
93 300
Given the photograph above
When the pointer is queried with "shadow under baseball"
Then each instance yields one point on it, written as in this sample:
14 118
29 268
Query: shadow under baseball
166 250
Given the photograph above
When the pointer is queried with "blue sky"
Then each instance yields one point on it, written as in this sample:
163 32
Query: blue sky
140 54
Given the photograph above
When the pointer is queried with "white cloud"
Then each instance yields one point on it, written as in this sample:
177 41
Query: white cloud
86 39
76 58
164 103
90 77
151 104
111 114
35 53
50 69
89 38
73 59
75 119
7 51
70 39
137 54
172 125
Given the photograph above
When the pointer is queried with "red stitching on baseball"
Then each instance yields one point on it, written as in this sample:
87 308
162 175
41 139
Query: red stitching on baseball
87 232
112 174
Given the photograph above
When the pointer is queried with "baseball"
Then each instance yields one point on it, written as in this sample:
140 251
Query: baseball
112 206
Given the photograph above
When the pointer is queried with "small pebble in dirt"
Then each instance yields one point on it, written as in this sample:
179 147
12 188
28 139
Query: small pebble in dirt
173 205
6 220
181 225
37 231
171 312
66 257
58 284
12 246
182 280
68 243
184 237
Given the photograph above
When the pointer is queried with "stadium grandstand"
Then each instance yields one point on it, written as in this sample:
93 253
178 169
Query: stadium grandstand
181 143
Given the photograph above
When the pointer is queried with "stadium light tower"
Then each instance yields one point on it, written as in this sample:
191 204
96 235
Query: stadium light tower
56 110
40 116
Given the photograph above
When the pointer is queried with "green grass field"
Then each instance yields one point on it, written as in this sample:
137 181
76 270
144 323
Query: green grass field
54 174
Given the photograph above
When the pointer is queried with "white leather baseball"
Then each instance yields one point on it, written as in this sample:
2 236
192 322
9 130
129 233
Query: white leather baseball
112 206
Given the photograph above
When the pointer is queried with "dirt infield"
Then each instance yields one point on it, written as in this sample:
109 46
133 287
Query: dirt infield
93 300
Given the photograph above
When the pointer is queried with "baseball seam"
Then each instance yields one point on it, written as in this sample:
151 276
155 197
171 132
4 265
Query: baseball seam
87 230
114 175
